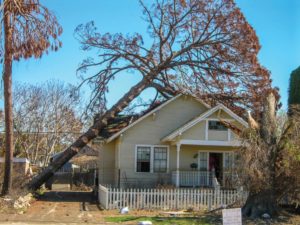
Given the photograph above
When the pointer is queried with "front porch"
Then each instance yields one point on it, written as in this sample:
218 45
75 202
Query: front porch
209 168
194 178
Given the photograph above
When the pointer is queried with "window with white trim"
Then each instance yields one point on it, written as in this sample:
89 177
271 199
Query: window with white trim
228 160
143 159
160 159
203 160
152 159
216 125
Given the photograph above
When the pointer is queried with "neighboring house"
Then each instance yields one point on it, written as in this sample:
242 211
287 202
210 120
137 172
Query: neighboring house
68 167
21 166
181 142
85 159
81 169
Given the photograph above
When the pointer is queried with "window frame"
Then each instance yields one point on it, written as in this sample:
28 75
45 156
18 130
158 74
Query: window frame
151 157
199 160
217 121
207 130
229 163
136 158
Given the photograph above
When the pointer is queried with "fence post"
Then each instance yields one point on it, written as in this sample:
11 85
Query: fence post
107 191
209 195
103 196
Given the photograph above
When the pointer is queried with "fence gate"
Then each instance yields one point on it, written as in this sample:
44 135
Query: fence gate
72 180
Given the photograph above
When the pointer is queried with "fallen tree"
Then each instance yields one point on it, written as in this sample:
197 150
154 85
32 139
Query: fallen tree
198 46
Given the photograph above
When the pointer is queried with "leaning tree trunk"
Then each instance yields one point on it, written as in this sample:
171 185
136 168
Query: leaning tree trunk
7 73
92 132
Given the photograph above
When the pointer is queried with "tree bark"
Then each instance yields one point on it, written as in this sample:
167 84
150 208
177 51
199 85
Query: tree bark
92 132
259 204
7 77
263 200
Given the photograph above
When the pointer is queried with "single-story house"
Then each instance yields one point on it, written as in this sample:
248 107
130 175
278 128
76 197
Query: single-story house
21 166
87 158
81 169
181 142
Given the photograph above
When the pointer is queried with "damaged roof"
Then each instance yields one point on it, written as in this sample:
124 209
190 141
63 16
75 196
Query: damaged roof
123 122
120 122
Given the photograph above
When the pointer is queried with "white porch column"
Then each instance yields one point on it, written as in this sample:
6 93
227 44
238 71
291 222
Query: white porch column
177 166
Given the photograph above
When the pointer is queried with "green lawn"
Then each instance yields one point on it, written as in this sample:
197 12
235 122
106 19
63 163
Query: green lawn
160 220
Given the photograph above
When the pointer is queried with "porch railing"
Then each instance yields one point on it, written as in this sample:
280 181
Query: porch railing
193 178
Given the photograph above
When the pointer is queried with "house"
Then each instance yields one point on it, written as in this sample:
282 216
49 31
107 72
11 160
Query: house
86 159
181 142
68 167
21 166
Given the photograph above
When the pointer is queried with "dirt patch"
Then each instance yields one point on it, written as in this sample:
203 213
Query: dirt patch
62 207
81 208
15 202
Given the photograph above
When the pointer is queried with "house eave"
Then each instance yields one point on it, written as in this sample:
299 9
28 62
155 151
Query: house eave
150 113
202 117
235 143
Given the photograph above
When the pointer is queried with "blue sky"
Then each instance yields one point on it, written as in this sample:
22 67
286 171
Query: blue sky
277 24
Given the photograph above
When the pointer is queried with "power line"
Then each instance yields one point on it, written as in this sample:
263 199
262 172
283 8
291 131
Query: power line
45 132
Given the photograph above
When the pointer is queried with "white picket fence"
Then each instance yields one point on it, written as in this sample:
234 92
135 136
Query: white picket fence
166 199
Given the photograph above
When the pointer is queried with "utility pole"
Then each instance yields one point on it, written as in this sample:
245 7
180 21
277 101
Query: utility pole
7 80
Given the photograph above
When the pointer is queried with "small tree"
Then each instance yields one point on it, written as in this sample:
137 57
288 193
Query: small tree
29 30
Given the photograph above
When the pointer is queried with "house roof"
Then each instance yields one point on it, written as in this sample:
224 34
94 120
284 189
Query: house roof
85 151
120 122
145 115
16 160
117 124
201 117
84 160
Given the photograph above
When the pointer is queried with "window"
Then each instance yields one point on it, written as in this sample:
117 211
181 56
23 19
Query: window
152 159
143 159
160 159
216 125
228 160
203 156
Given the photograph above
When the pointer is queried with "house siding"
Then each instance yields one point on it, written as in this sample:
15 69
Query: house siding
217 135
118 157
149 132
222 115
107 163
196 132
